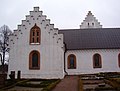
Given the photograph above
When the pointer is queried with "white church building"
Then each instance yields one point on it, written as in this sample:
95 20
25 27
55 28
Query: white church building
38 50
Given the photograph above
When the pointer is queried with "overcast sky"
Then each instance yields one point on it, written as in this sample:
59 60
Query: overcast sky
64 14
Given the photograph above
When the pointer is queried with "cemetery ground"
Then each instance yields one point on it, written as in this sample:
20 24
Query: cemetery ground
109 81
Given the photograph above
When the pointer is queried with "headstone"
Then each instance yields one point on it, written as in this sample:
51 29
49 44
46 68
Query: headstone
19 75
12 75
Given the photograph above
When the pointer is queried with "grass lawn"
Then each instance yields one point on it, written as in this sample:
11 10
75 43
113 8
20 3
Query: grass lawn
45 84
114 82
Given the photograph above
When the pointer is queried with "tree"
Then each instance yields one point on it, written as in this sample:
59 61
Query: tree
4 39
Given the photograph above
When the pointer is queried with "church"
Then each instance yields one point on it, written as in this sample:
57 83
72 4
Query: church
39 50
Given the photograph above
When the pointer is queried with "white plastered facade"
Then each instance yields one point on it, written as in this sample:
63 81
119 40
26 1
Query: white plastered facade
90 22
84 61
51 48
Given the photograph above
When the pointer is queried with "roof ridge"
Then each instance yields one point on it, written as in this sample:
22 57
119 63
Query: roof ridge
86 29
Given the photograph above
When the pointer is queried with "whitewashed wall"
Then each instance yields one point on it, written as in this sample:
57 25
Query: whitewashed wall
51 48
84 60
93 22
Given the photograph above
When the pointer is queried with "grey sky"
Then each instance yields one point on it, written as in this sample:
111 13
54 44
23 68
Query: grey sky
62 13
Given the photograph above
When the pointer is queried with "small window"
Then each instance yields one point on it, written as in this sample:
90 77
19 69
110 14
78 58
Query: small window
97 61
35 35
71 61
34 60
92 24
88 24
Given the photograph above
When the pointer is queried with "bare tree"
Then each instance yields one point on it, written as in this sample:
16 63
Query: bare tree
4 39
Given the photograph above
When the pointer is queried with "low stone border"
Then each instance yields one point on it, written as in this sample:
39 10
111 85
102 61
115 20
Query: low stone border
80 84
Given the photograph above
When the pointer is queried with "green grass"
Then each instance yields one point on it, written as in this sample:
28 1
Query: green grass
10 83
113 83
117 80
43 83
47 85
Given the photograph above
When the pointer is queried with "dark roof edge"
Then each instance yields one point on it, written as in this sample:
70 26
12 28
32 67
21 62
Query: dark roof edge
93 48
86 29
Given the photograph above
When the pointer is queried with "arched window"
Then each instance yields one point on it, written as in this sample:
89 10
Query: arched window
71 61
34 60
97 63
119 59
88 24
35 35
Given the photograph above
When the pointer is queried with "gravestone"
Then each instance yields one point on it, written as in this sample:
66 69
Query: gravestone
19 75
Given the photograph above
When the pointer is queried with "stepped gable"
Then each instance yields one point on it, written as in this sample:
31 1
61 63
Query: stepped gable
36 17
93 38
90 22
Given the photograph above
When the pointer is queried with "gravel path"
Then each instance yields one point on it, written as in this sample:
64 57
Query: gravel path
69 83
